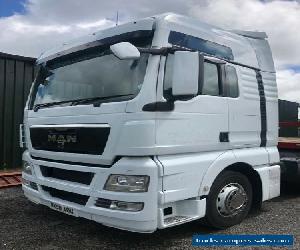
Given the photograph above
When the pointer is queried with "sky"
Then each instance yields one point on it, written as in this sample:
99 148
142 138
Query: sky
10 7
29 27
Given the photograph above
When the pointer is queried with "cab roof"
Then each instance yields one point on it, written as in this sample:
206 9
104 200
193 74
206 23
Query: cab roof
248 48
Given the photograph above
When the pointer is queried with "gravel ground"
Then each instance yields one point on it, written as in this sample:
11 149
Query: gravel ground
24 225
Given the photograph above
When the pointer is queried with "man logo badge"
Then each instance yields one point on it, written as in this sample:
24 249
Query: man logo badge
62 139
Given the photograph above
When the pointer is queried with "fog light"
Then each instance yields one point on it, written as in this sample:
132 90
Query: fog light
27 168
120 205
127 183
127 206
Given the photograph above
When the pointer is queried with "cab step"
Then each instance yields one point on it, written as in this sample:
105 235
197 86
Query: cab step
173 220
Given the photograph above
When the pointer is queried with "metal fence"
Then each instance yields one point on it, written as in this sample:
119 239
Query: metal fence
16 76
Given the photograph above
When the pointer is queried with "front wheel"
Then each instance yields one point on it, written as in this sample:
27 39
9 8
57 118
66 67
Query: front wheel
229 200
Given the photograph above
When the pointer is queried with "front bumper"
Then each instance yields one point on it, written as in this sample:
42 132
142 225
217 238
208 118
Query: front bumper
146 220
96 215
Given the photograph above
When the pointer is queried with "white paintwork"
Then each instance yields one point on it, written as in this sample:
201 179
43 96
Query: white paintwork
146 220
125 50
180 150
244 115
271 184
185 73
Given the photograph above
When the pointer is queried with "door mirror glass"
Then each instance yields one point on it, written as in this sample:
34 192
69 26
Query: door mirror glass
185 77
125 51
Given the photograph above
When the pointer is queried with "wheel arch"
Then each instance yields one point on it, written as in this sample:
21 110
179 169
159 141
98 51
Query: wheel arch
254 178
227 162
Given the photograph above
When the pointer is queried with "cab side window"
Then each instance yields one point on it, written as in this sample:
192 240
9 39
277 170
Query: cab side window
211 80
231 81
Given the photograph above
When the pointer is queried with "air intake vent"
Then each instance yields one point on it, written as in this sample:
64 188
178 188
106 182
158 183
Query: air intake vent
67 175
67 196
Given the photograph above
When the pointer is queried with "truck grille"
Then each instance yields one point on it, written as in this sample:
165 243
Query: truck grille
67 175
67 196
85 139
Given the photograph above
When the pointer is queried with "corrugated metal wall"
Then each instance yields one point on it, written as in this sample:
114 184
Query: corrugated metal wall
16 76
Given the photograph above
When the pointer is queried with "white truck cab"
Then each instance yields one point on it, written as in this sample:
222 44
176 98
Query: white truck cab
152 124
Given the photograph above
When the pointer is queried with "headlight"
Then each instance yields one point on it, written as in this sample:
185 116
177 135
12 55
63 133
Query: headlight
27 168
127 183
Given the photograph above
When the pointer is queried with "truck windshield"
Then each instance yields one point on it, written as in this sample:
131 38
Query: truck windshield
92 76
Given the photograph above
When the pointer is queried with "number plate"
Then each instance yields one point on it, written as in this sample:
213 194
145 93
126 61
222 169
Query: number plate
63 209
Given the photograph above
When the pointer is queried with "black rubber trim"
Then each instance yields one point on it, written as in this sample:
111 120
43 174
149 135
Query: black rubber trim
263 109
222 81
71 162
200 73
159 107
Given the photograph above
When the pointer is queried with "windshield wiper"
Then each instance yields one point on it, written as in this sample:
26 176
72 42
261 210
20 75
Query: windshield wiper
98 100
45 105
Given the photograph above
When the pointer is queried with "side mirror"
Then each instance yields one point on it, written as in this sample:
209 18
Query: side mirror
125 51
186 69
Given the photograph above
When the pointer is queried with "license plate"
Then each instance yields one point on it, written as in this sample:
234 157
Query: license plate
63 209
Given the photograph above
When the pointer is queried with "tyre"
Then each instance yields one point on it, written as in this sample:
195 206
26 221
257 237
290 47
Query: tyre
229 200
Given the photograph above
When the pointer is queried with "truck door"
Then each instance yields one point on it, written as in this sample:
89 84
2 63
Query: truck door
241 89
196 124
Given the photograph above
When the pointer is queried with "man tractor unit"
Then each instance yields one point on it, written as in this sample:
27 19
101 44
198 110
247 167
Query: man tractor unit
152 124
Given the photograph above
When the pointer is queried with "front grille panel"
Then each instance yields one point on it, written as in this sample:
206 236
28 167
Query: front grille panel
67 175
67 196
80 140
